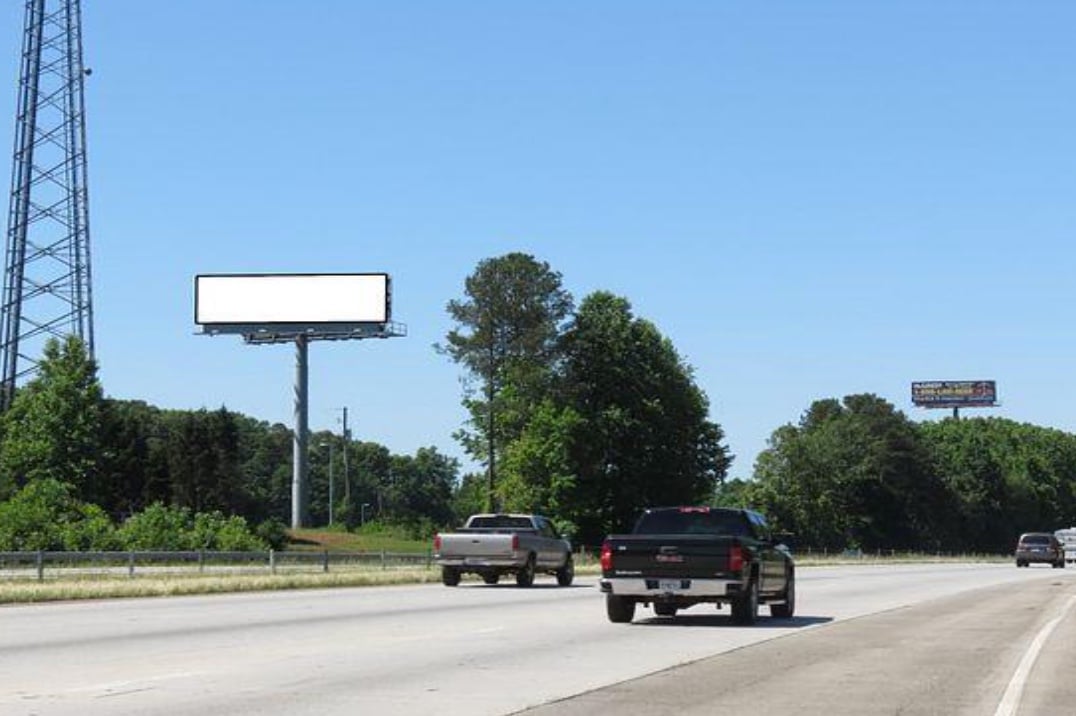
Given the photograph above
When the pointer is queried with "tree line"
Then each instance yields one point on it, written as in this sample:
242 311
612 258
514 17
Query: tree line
586 413
857 473
80 471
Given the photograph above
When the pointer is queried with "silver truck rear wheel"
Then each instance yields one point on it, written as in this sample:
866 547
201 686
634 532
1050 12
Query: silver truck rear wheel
525 576
566 574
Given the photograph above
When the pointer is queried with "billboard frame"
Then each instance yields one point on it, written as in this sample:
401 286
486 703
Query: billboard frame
285 331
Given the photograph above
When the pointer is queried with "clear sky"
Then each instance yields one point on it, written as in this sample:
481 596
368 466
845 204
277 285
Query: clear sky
810 199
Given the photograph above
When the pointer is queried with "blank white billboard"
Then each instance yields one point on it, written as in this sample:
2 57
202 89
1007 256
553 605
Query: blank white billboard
291 298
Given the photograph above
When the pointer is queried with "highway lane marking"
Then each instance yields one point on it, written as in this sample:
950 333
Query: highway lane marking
1010 702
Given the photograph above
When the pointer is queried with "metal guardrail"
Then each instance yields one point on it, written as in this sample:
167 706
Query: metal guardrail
15 565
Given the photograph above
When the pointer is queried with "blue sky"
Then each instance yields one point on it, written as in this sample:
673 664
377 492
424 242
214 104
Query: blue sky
810 199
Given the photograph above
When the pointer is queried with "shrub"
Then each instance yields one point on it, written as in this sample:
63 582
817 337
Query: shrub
157 527
160 527
44 515
273 532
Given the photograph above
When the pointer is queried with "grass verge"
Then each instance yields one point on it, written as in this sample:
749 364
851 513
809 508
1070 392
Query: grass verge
62 589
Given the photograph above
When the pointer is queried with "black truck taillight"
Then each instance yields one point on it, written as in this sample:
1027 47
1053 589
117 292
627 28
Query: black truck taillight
735 558
607 557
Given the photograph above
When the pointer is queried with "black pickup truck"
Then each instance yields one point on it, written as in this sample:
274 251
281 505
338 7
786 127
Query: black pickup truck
677 557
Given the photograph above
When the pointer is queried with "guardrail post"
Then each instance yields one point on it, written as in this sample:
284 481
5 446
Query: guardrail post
130 564
40 565
384 565
325 561
272 561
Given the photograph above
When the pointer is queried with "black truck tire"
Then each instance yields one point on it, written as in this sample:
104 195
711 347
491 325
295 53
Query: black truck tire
745 606
619 609
786 609
450 576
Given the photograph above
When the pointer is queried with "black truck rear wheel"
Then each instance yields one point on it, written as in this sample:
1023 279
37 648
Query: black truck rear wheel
745 606
620 609
786 609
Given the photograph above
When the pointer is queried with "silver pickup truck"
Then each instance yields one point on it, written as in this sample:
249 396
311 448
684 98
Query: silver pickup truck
491 545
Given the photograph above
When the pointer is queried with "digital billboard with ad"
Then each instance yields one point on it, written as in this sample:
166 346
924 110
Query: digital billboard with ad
955 393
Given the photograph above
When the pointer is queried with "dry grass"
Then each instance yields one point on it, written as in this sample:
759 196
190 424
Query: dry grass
102 587
65 588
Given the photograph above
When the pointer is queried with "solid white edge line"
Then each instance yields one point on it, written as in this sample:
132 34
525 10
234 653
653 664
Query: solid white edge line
1010 702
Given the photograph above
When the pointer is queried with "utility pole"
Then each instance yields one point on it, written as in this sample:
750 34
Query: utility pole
347 449
47 283
329 445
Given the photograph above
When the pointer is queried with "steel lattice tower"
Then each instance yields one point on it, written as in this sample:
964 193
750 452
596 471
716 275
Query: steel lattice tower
47 272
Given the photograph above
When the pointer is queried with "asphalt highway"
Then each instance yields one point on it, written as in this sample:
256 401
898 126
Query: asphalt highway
908 639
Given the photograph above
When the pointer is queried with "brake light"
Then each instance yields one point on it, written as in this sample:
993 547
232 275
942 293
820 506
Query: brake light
607 557
437 543
515 543
735 558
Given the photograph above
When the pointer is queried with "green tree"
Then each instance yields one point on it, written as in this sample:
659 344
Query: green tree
370 466
203 462
506 338
53 428
1004 478
265 464
469 496
538 474
420 490
640 433
133 469
852 474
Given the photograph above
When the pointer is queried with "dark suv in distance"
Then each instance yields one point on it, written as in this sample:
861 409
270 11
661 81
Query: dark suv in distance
1040 547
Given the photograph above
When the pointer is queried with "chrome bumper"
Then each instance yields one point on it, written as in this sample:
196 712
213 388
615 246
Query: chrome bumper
637 587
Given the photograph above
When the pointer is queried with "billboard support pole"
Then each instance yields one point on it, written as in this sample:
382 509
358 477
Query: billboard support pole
299 458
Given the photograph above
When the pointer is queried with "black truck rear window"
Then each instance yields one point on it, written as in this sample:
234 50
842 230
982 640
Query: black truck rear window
693 521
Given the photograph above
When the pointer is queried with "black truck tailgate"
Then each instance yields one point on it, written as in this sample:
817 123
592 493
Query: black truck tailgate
670 556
